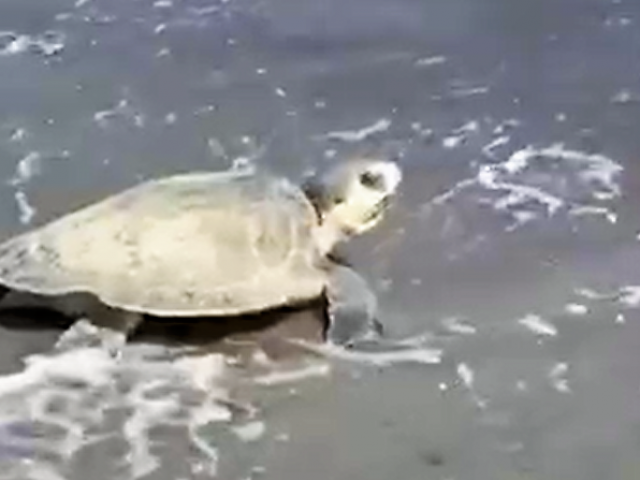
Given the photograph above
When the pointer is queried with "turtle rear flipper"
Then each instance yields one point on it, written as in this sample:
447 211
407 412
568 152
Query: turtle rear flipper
107 327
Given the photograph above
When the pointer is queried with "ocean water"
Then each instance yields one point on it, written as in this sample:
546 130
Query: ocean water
506 269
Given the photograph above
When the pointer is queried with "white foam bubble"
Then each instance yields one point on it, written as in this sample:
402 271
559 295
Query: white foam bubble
251 431
459 135
556 375
461 92
515 194
467 376
538 325
597 169
202 11
18 135
123 110
594 210
315 369
26 211
630 296
202 371
453 141
494 144
13 43
28 167
136 428
618 21
86 366
455 325
592 294
506 126
47 44
162 4
37 471
625 97
576 309
163 52
363 133
409 350
430 61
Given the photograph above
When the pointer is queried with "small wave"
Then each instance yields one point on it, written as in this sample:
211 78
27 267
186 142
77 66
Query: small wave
28 167
64 404
458 326
72 394
291 376
26 211
553 177
468 378
388 352
535 183
538 325
123 110
361 134
430 61
458 136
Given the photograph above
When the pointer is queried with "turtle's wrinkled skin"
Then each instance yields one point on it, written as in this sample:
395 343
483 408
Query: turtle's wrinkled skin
203 244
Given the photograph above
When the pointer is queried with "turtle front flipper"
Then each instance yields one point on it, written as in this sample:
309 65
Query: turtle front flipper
352 309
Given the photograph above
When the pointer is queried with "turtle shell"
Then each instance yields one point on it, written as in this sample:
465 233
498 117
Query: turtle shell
188 245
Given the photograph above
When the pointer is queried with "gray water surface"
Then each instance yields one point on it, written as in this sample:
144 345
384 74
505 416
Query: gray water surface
513 247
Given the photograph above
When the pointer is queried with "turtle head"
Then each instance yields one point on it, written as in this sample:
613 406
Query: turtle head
352 197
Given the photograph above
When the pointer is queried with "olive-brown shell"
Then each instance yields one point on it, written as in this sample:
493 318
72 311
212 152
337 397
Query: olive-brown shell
192 244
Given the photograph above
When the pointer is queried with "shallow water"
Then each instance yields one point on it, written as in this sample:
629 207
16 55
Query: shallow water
513 249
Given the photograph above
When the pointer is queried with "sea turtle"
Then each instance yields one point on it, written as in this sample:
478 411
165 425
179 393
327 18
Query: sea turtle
206 244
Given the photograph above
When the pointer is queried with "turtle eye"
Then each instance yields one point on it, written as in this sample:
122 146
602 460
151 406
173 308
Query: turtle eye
372 180
338 199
